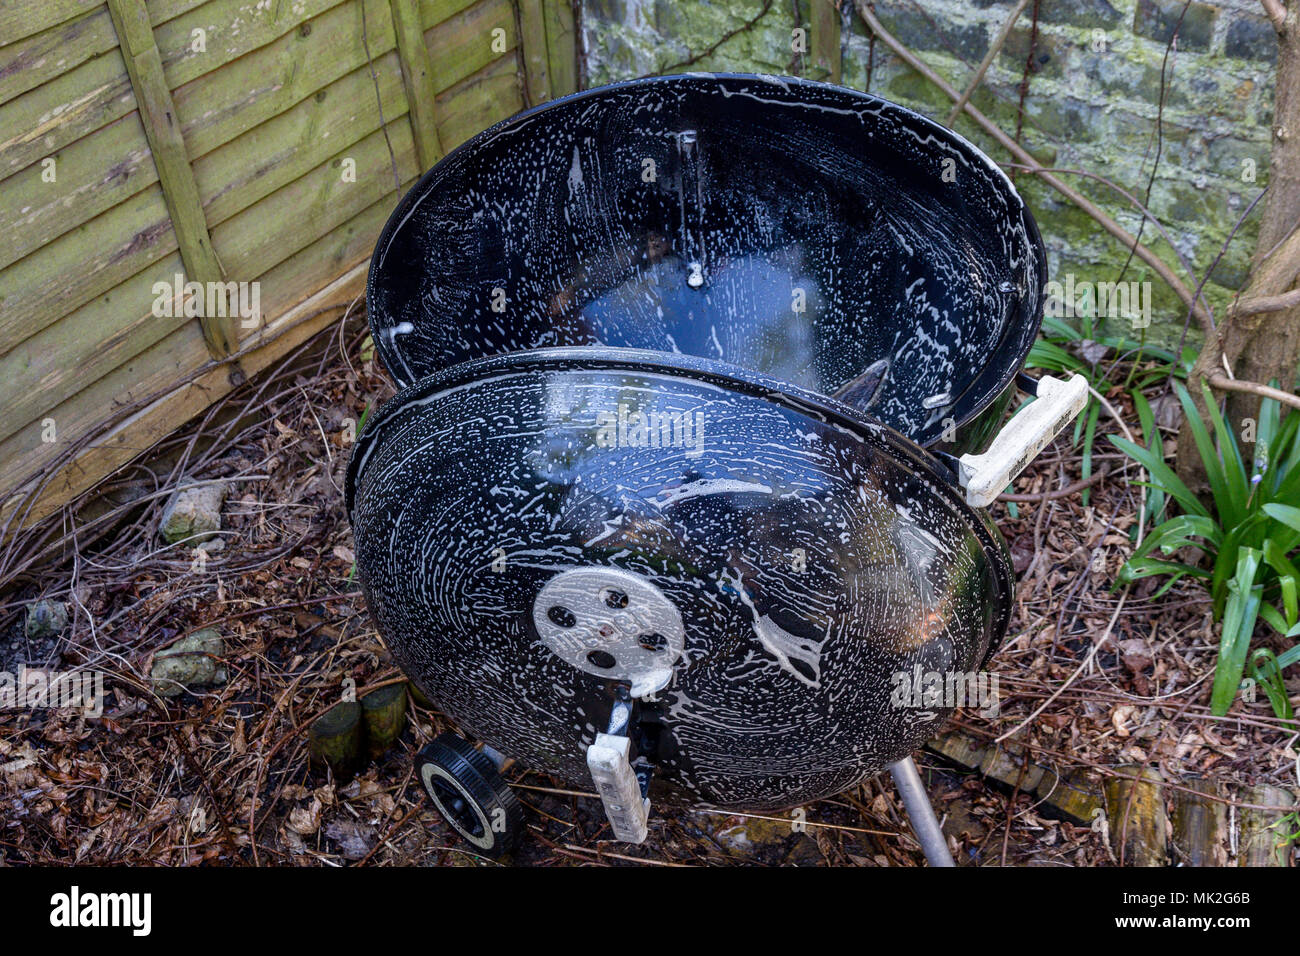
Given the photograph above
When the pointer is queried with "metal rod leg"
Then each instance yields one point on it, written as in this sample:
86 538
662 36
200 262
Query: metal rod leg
920 813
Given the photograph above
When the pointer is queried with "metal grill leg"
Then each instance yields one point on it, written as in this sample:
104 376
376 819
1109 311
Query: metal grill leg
919 812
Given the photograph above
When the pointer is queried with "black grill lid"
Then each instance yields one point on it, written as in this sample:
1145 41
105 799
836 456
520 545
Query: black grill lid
815 234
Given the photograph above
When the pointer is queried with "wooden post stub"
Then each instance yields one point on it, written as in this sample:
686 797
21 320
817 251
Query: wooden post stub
384 712
335 739
1135 815
1200 824
1261 838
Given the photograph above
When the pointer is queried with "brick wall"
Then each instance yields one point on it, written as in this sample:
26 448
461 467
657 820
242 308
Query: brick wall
1092 102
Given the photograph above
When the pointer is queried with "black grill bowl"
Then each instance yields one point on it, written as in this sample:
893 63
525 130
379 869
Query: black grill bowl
815 234
472 489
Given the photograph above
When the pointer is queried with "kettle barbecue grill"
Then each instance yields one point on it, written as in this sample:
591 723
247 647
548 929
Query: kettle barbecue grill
701 385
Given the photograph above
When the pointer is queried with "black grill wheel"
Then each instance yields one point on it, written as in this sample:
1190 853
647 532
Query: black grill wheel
466 789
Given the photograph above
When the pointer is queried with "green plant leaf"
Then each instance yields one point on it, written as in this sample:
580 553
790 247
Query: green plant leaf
1234 469
1269 678
1287 575
1289 657
1225 560
1238 626
1266 432
1276 622
1177 531
1048 355
1209 458
1151 432
1058 327
1284 452
1287 585
1089 436
1161 474
1288 515
1135 568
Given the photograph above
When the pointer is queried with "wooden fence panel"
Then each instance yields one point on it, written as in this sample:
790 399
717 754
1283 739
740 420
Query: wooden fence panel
271 114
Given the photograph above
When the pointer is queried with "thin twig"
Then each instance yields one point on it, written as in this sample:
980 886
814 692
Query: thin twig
978 78
1092 652
1124 193
1023 89
1223 383
1159 131
379 100
1071 489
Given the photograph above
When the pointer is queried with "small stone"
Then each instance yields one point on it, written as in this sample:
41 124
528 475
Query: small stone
193 661
914 27
193 513
1051 53
46 619
1079 13
1251 38
1160 19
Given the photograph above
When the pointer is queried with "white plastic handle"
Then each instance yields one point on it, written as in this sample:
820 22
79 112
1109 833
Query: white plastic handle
1029 431
627 810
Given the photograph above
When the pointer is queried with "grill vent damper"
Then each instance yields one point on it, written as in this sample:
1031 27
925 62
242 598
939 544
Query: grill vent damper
703 381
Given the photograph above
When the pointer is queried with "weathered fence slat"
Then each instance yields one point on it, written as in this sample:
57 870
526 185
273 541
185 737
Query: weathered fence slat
20 19
289 145
32 214
28 64
532 41
232 29
162 128
493 91
561 39
45 120
417 76
164 11
74 272
1070 796
271 79
463 45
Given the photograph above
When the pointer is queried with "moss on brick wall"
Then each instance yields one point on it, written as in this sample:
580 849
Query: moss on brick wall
1094 94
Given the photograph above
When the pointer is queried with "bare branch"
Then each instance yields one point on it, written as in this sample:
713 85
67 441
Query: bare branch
1157 264
1065 492
1121 191
1223 383
975 81
1267 303
1276 12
